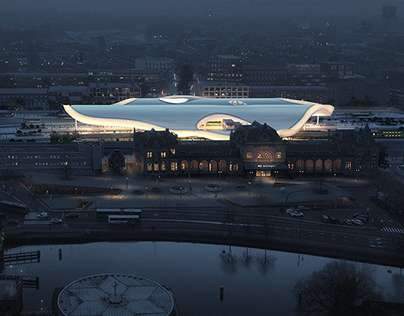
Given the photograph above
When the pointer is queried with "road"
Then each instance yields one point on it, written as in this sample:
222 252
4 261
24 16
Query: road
251 226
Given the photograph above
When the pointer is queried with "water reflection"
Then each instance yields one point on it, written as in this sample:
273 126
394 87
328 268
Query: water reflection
247 259
261 278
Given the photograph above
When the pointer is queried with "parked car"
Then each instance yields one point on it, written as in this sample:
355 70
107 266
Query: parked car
294 213
56 221
42 215
357 222
325 218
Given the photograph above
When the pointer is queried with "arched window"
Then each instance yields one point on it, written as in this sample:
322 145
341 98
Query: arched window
222 166
328 165
300 165
203 165
337 165
184 165
194 165
213 166
309 165
319 165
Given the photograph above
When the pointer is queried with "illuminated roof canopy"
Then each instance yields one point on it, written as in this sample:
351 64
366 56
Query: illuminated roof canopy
190 116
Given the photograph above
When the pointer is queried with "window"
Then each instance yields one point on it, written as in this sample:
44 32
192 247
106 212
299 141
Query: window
149 154
149 167
163 154
174 166
268 156
163 166
249 155
278 155
184 165
348 165
172 151
156 166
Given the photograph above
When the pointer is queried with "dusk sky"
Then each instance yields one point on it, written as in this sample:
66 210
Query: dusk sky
183 7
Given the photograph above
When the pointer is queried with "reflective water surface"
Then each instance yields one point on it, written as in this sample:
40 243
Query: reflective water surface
255 281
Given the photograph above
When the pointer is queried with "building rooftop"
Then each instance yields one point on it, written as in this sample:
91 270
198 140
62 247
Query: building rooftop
115 294
190 116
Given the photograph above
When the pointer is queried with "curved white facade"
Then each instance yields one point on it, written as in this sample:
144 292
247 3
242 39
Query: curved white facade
190 116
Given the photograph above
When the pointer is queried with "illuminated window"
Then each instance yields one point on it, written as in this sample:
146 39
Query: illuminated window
174 166
348 165
163 154
268 156
149 154
259 156
278 155
184 165
149 167
163 166
249 155
156 167
172 151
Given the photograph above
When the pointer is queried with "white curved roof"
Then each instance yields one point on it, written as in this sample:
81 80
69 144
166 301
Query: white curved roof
181 114
115 295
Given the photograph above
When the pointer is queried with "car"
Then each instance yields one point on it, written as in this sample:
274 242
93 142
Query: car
42 215
56 221
357 222
290 210
298 214
333 220
294 213
348 221
362 218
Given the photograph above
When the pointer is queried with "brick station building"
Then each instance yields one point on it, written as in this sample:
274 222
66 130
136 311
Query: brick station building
255 150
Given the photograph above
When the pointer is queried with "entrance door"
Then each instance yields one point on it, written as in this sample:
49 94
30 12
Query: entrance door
262 173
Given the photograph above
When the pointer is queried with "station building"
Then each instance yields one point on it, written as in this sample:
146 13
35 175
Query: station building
255 150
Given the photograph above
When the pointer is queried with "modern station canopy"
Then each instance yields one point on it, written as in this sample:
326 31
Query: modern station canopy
196 117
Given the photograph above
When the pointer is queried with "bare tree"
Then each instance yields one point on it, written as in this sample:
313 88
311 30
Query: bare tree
338 289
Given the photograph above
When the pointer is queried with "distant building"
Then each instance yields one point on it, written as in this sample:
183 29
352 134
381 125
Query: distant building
82 159
68 94
259 75
337 70
154 65
318 94
221 90
27 98
225 68
107 93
